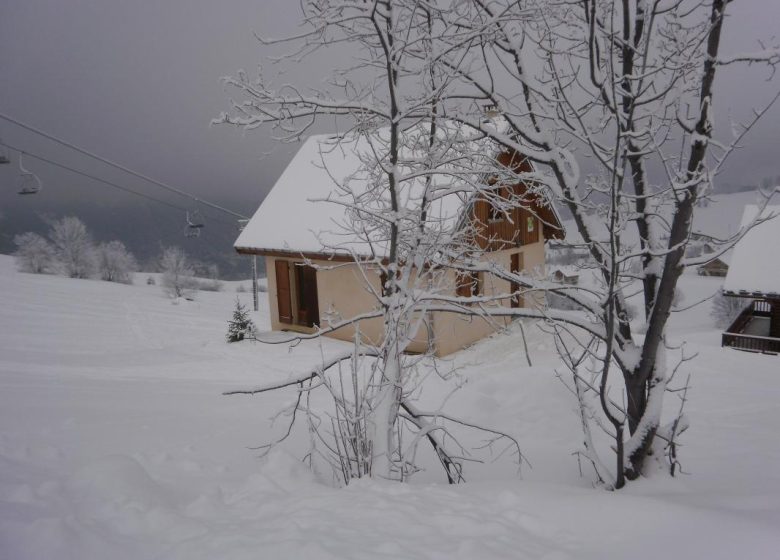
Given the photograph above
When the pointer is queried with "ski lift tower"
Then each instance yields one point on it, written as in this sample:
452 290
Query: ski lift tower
241 225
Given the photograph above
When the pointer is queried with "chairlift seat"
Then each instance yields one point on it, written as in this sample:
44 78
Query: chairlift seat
194 224
29 184
4 159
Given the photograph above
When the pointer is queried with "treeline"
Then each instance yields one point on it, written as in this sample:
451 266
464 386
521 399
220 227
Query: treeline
70 250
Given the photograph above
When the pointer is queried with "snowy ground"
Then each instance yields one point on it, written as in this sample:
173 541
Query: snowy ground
116 443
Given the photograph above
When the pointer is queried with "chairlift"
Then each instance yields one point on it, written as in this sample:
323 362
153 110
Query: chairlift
194 224
28 183
4 159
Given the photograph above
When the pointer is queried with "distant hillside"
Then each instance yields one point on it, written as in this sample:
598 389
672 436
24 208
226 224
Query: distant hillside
718 217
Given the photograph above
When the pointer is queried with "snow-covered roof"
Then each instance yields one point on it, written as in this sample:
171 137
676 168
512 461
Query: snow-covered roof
725 258
310 206
755 264
307 209
289 218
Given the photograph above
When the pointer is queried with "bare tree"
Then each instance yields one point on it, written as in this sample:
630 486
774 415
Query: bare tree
74 247
34 254
412 164
622 88
115 263
177 273
726 309
625 88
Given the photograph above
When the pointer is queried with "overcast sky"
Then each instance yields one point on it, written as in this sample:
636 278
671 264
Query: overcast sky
138 82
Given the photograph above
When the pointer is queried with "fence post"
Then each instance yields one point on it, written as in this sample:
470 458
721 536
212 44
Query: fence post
254 281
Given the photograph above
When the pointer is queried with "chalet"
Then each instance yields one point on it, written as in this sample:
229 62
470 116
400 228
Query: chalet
718 266
701 243
297 226
754 275
561 275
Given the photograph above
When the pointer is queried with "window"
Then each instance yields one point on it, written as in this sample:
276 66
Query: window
494 214
308 312
468 284
530 223
283 292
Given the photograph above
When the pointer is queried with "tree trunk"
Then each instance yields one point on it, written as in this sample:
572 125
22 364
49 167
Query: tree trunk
388 399
636 393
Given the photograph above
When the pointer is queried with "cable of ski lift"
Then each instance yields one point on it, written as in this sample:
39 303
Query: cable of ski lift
105 181
120 167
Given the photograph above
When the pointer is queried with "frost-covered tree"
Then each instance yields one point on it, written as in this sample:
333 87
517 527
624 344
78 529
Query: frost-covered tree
115 263
241 325
74 247
209 277
725 310
621 88
411 159
624 89
34 254
177 273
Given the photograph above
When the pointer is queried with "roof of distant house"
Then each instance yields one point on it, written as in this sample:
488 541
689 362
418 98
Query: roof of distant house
565 269
755 264
724 258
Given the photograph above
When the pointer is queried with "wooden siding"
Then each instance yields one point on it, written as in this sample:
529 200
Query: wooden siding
518 227
530 222
713 268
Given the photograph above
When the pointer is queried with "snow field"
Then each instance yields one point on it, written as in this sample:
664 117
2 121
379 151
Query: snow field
115 442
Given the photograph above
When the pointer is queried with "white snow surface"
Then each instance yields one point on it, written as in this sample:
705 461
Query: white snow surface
755 265
305 211
115 442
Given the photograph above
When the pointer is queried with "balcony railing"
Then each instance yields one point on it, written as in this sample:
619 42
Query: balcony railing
736 337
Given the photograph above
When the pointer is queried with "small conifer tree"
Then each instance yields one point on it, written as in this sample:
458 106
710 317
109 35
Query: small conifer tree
240 326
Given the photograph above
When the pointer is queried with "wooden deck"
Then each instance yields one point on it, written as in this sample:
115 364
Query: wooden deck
750 330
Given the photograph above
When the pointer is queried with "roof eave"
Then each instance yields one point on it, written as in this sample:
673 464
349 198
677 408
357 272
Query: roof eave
292 254
752 294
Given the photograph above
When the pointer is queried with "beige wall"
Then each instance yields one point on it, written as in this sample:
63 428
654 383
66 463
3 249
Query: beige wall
343 293
453 331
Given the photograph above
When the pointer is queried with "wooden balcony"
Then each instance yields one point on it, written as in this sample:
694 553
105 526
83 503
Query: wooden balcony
750 330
